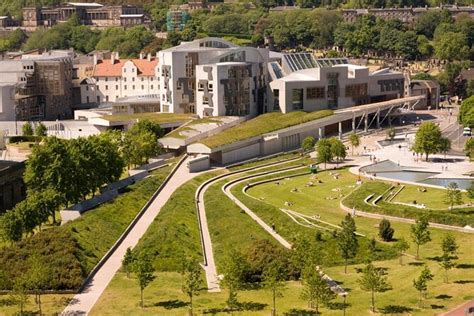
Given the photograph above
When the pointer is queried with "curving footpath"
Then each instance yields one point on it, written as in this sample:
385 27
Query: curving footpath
209 265
99 278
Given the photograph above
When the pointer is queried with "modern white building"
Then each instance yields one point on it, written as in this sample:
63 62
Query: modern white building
299 81
211 77
116 78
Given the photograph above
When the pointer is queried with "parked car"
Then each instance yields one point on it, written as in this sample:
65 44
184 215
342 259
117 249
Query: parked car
466 131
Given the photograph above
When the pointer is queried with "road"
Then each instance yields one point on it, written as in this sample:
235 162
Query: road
454 133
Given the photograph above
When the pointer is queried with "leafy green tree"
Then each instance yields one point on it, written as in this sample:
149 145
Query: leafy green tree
444 145
401 245
324 152
449 247
274 280
469 148
425 49
470 191
38 277
315 288
449 78
26 129
84 39
338 149
386 230
373 280
466 112
11 226
391 134
427 22
354 139
308 143
128 261
144 271
421 283
453 195
233 270
139 146
347 240
427 139
305 252
420 234
451 46
19 294
40 130
192 280
150 126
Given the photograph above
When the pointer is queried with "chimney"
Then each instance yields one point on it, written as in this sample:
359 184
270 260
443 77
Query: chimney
95 59
141 55
156 55
117 56
149 57
112 58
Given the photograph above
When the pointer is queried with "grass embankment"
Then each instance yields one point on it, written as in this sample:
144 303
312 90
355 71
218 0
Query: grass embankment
457 216
72 250
432 198
176 133
262 124
157 117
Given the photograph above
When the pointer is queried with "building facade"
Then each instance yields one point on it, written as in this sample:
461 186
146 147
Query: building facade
12 188
302 82
211 76
115 79
92 14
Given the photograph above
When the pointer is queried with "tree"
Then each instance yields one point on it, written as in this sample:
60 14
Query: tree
453 195
374 281
421 283
427 139
354 139
128 261
41 130
323 150
466 113
315 288
470 191
420 234
233 270
11 226
451 46
401 246
449 248
38 277
274 281
19 294
144 269
338 149
347 240
391 134
192 280
26 129
444 145
469 148
139 146
385 230
308 143
150 126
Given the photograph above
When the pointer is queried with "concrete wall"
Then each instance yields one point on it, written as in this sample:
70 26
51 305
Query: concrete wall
242 153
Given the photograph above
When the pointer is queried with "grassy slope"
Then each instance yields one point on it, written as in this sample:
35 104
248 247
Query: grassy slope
433 198
156 117
262 124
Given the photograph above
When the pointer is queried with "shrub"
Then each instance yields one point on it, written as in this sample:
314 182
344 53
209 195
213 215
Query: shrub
385 230
26 129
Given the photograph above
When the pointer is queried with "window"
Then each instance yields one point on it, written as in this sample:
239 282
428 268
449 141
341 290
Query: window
315 93
107 98
125 87
133 79
205 100
133 69
106 87
116 87
106 79
87 88
151 87
297 99
179 85
276 99
210 87
200 86
143 87
356 90
98 99
124 70
87 99
124 79
133 87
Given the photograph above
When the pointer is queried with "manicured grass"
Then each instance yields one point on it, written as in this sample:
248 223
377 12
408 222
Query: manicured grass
188 127
432 198
262 124
174 234
52 304
257 163
153 116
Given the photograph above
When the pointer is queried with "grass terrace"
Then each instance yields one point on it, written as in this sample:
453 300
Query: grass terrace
189 126
157 117
262 124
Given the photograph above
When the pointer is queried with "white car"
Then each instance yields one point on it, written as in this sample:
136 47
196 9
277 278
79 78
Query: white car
466 131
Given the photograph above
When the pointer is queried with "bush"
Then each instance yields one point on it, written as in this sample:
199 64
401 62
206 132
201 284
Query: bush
26 129
22 139
385 230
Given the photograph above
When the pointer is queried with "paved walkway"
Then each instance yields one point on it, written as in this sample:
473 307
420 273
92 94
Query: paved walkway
461 310
83 302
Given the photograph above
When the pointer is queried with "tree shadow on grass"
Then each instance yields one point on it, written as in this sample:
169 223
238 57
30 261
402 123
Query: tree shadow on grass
300 312
416 264
443 297
464 281
465 266
435 306
395 309
337 305
243 306
171 304
6 302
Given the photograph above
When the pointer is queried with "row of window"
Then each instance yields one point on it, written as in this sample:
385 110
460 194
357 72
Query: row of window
106 79
124 87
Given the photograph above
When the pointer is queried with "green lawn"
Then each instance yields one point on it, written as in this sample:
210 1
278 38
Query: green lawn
189 126
52 304
262 124
432 198
153 116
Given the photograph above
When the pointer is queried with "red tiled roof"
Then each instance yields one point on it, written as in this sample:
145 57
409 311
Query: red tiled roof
105 68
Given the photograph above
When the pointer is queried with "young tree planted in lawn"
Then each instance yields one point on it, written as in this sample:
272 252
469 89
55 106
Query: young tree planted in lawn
315 288
401 246
144 269
27 129
453 195
308 143
449 247
347 240
421 283
373 280
19 294
338 149
41 130
324 151
354 139
38 277
427 139
420 234
274 280
127 261
233 270
385 230
444 146
192 280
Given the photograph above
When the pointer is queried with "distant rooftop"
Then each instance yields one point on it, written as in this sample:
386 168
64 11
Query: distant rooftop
300 61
